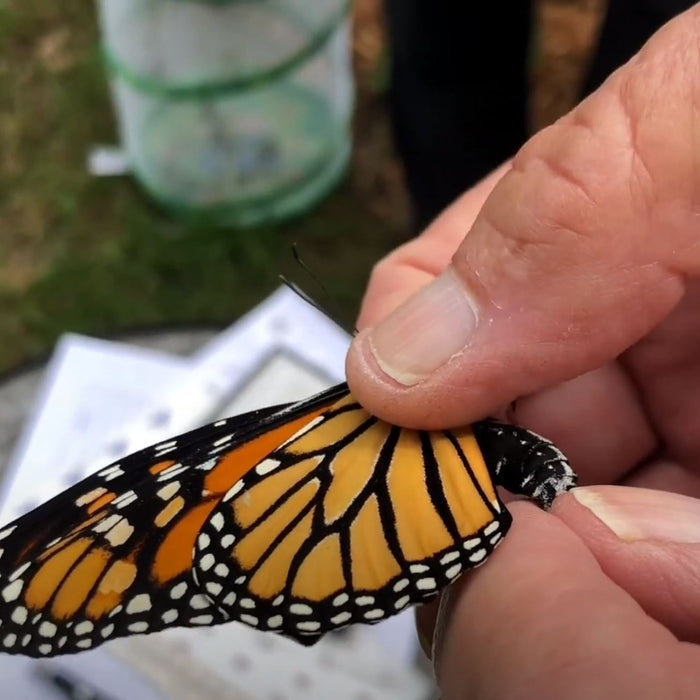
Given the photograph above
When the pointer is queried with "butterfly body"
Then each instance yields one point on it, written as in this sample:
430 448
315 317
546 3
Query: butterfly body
297 519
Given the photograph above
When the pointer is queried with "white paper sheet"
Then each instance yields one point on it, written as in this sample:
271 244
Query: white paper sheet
92 388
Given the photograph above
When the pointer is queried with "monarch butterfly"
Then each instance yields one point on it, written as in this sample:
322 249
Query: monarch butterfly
298 519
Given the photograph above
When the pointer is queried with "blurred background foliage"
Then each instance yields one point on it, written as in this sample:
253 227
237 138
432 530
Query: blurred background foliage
93 255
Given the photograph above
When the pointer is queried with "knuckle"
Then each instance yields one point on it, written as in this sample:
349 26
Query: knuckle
659 98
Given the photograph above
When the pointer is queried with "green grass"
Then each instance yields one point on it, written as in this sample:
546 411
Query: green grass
95 255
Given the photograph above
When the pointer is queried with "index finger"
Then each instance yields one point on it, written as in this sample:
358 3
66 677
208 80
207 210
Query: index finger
542 620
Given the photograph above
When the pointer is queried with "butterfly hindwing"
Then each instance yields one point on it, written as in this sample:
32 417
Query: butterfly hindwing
350 521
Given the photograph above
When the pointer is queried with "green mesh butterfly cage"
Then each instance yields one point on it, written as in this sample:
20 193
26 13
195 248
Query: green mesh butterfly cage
232 112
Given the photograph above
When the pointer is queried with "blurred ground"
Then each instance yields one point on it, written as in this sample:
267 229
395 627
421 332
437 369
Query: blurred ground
93 255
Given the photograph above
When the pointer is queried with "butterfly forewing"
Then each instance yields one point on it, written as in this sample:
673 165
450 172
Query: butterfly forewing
112 556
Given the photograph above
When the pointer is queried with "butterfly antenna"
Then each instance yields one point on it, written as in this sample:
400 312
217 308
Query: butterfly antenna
301 293
311 301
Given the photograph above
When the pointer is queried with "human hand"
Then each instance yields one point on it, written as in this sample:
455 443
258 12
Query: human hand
577 288
569 609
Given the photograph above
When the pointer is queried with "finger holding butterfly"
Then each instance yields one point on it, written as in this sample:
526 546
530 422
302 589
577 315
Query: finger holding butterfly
647 542
572 606
582 261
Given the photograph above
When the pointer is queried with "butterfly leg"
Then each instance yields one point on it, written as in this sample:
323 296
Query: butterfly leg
523 462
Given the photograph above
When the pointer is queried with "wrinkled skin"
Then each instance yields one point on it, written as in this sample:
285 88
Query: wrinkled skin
582 268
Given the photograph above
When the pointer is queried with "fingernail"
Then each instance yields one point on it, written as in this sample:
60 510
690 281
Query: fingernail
635 514
427 331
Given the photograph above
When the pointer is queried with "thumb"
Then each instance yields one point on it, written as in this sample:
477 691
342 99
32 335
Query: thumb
580 250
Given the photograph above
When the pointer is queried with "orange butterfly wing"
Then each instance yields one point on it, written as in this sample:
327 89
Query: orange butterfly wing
351 520
112 556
